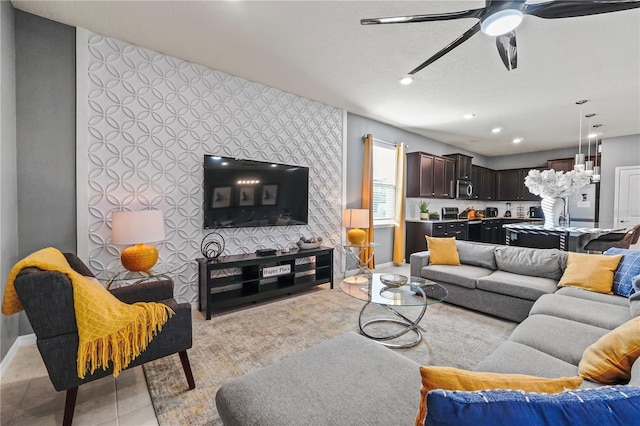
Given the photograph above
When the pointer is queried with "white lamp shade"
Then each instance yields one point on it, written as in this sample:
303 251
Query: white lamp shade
355 218
142 226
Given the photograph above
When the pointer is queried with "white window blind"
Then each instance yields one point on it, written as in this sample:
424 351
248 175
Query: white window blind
384 182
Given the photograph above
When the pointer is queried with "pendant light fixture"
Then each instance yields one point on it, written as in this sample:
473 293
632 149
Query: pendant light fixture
588 165
578 164
596 168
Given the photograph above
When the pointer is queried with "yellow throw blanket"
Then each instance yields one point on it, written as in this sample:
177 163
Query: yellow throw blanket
109 330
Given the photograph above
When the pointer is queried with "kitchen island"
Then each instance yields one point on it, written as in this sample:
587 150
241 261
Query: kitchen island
563 238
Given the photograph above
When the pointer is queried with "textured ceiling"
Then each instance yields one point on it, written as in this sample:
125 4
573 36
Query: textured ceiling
320 51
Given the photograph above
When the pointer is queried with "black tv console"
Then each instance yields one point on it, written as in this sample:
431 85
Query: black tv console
246 278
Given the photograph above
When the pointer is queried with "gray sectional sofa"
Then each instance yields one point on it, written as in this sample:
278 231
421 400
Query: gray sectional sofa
351 380
499 280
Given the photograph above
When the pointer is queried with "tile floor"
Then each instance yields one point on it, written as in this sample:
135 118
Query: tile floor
27 396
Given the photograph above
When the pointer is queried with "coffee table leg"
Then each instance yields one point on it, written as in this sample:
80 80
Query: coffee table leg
410 325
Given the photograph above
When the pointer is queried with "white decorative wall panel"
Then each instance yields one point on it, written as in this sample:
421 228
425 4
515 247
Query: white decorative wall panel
153 117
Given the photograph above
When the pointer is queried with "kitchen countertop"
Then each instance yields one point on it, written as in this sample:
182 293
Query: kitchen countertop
476 221
571 230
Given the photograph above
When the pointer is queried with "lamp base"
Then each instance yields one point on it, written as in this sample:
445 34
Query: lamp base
139 258
356 236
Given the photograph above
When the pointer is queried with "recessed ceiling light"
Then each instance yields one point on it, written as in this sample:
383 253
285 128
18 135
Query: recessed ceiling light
517 140
469 116
496 130
406 80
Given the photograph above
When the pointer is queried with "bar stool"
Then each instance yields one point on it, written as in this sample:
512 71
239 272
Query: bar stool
614 239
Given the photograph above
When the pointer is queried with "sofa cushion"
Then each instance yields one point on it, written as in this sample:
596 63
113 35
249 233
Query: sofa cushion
514 357
581 293
561 338
547 263
450 378
615 405
603 315
522 286
477 254
628 268
462 275
590 271
442 251
610 358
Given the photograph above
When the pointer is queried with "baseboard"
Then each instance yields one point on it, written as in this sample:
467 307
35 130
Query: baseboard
26 340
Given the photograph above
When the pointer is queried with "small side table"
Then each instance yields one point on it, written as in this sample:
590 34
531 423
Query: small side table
123 277
353 252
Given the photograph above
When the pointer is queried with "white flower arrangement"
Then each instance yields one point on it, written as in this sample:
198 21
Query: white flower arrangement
555 184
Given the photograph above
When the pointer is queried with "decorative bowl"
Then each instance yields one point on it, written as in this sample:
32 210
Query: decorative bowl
393 280
306 246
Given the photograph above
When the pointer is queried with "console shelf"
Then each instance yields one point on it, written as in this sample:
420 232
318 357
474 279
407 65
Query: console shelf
244 278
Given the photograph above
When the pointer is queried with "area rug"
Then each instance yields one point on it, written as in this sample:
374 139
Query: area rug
237 343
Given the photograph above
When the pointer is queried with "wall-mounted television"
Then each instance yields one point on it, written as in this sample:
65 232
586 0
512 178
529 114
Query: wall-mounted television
246 193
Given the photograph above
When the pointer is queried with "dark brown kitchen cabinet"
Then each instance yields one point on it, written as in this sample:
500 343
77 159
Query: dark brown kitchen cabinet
484 183
429 176
462 165
415 240
511 185
491 231
419 175
564 165
443 177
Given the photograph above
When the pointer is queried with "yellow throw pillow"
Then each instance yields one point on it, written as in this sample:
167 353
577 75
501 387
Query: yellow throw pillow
442 251
610 358
450 378
593 272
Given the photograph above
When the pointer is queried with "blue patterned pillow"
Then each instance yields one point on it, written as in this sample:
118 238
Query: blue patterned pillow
628 268
607 405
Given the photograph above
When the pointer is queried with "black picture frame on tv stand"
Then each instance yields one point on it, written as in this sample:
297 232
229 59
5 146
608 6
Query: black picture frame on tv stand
246 193
220 291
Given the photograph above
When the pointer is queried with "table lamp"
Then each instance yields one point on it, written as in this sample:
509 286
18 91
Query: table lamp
137 228
356 219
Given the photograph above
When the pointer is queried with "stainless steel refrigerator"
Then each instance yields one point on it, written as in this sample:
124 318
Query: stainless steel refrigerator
583 207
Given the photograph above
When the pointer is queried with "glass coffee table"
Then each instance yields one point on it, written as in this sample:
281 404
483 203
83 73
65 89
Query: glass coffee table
417 292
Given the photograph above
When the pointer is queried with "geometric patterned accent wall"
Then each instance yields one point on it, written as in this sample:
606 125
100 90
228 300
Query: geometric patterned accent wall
151 120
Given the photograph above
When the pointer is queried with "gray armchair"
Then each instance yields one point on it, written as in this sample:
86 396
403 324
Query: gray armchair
47 297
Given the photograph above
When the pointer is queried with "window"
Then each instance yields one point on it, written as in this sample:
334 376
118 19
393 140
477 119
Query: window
384 183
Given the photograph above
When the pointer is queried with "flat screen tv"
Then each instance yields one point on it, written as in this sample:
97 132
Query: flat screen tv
247 193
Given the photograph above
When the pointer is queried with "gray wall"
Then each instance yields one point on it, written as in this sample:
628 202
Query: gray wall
8 186
616 152
45 103
45 133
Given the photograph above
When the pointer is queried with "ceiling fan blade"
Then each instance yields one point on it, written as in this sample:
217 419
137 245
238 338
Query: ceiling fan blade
473 13
457 42
571 9
507 49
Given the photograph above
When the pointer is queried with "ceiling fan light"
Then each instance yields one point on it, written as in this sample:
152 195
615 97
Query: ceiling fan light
393 20
406 81
501 22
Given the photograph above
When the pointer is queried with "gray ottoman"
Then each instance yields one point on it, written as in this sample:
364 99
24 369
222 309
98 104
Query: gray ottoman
347 380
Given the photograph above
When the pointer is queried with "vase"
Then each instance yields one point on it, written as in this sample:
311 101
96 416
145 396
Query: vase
552 209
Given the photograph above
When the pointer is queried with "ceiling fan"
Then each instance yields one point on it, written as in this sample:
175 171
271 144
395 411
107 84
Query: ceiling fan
500 18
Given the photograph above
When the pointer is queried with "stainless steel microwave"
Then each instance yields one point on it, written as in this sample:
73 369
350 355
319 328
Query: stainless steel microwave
464 189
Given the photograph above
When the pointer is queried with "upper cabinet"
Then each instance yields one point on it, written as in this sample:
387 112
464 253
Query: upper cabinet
566 164
484 183
463 165
511 185
429 176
